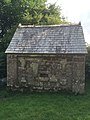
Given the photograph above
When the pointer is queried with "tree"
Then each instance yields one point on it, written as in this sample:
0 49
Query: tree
10 14
43 14
2 65
33 12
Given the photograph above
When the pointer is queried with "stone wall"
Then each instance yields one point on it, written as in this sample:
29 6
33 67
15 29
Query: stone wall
46 72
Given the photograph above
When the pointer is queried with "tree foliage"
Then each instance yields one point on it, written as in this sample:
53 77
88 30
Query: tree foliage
4 41
10 15
2 65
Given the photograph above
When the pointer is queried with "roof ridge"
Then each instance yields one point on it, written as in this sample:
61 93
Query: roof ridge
60 25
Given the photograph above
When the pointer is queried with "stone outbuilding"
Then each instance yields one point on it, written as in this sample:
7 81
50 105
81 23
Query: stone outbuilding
47 58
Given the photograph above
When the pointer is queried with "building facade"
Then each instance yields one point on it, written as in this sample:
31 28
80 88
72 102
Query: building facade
47 58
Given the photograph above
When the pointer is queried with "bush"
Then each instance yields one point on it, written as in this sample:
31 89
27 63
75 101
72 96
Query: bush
2 65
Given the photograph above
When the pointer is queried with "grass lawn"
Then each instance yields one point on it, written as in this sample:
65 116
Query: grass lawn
44 106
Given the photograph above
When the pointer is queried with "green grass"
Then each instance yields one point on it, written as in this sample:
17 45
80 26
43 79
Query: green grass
44 106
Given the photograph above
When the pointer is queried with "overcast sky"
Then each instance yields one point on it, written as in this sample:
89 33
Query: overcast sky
75 11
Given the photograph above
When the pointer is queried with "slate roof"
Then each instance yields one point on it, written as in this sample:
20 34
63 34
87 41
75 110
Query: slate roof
48 39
